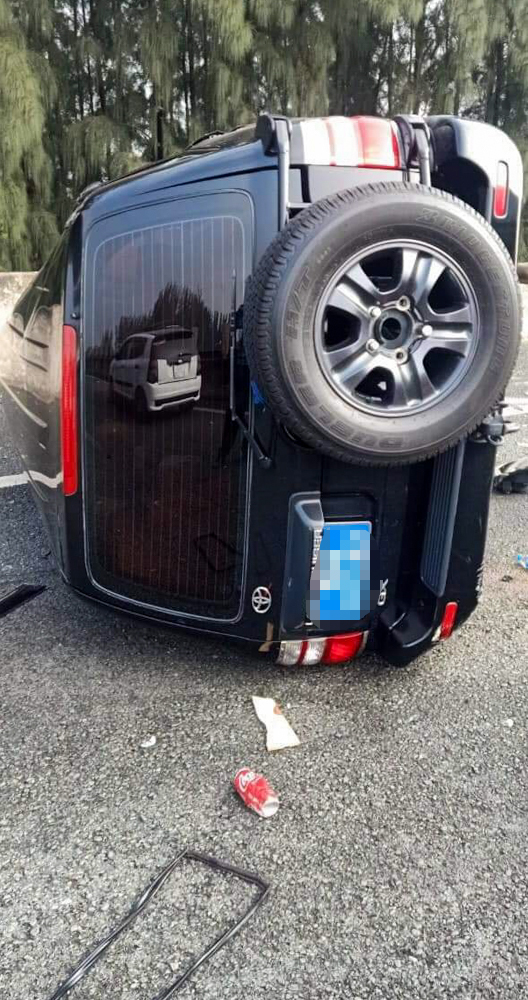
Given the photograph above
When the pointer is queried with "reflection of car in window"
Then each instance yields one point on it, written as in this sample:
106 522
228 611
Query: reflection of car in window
158 370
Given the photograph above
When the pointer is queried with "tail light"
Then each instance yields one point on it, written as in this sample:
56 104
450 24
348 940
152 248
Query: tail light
448 621
344 647
68 412
500 200
335 649
291 653
152 371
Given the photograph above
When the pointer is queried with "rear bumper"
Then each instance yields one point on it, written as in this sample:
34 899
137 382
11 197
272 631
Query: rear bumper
407 623
167 394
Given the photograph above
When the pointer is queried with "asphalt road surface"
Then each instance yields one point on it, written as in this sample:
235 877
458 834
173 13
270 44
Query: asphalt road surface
398 858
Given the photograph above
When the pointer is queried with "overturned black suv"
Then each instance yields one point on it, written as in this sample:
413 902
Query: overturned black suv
257 389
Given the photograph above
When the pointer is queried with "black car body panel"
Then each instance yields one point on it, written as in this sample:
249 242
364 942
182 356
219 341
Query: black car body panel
177 519
467 157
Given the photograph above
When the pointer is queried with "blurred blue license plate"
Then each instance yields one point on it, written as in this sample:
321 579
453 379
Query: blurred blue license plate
340 582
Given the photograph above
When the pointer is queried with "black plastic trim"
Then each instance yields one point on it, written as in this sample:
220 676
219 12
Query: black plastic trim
139 905
441 516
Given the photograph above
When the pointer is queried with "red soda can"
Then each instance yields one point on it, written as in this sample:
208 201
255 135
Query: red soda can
256 792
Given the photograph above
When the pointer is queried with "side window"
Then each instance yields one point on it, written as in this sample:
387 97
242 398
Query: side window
55 274
137 347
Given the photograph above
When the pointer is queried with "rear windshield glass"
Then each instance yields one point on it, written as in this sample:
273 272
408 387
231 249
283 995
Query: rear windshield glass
172 345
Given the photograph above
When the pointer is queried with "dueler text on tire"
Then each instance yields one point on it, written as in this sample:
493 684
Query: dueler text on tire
383 323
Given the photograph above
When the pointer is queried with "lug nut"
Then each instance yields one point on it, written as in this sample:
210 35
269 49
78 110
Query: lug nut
400 355
375 312
427 330
372 346
404 303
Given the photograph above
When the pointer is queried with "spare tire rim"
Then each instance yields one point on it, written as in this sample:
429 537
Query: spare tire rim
397 328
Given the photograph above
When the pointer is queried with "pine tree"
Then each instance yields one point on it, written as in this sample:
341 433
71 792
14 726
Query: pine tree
27 227
84 84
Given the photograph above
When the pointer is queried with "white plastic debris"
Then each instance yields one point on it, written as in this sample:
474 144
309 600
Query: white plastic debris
279 733
148 743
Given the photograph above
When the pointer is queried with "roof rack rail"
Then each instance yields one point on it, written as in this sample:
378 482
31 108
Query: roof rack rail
88 190
207 135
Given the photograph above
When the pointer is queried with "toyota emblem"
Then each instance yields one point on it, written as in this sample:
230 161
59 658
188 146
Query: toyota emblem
261 600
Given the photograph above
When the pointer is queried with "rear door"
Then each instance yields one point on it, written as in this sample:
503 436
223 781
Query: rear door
165 508
176 356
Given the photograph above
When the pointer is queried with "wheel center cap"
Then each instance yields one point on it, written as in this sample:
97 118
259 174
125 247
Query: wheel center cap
390 329
393 329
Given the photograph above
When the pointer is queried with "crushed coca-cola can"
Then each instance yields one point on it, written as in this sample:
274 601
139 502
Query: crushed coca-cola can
257 793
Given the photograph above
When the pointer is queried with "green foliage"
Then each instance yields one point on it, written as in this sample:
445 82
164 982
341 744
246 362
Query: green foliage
25 170
158 49
20 101
14 250
91 147
83 82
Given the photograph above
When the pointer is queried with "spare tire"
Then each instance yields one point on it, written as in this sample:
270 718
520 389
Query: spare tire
383 323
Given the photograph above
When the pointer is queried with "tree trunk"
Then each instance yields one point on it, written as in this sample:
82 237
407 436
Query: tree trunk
457 100
78 76
379 79
499 82
206 92
410 81
90 84
94 27
490 85
418 64
390 75
186 90
190 55
118 27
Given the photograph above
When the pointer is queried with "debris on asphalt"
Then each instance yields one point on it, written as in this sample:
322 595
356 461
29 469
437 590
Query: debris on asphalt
522 561
13 594
187 855
148 743
256 792
279 733
512 477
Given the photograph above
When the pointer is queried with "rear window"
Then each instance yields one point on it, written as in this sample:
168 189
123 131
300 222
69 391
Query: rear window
172 346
